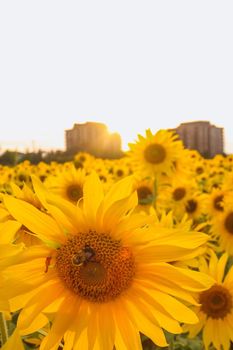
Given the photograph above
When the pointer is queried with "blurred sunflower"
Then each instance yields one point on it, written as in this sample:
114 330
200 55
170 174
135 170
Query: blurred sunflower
156 153
222 228
67 183
83 160
12 231
216 306
195 206
214 202
173 196
146 194
101 274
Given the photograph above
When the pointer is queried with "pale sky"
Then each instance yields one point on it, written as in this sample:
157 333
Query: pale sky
130 64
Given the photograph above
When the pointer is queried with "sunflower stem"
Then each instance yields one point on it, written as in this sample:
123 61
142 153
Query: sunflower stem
171 343
3 329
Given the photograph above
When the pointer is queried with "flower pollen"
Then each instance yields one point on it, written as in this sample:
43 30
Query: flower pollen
95 266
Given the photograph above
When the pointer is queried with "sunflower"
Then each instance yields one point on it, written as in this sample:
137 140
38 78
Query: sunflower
102 272
195 206
146 194
173 196
214 201
83 160
67 183
12 231
216 306
156 153
222 228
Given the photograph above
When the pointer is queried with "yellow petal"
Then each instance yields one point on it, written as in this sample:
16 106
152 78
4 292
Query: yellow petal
38 303
9 252
161 253
121 189
173 307
106 327
37 222
8 230
37 323
132 222
223 334
23 278
127 337
220 271
185 278
69 340
82 341
168 286
92 197
59 208
139 306
147 325
208 333
62 321
117 210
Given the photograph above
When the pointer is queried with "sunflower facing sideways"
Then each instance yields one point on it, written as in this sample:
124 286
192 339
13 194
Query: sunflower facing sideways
101 275
216 306
156 153
222 226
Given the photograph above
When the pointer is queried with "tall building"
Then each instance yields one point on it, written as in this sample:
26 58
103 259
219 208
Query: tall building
202 136
93 138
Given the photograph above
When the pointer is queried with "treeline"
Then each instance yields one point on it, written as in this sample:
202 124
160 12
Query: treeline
12 158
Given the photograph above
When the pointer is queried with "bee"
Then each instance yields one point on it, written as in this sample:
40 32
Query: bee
83 256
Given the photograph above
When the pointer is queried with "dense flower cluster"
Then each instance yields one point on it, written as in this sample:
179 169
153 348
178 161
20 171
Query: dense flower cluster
109 254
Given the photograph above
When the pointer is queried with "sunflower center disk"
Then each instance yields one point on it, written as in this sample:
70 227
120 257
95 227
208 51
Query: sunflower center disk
74 192
216 302
229 223
191 206
155 153
218 203
145 195
95 266
178 193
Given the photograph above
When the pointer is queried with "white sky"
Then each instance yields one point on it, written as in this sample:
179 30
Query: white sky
130 64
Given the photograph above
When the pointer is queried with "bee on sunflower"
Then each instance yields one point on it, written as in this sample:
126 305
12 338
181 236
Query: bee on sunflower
102 273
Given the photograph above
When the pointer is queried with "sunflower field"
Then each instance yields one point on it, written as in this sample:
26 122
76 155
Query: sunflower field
126 254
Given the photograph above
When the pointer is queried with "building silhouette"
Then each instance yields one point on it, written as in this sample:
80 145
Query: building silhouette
202 136
93 138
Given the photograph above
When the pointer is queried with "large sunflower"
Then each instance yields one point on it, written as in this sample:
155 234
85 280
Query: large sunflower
156 153
101 275
216 306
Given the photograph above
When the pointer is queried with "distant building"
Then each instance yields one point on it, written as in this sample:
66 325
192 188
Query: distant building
202 136
93 138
